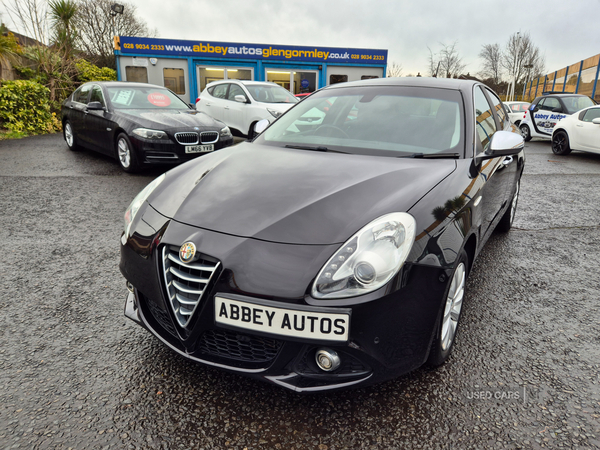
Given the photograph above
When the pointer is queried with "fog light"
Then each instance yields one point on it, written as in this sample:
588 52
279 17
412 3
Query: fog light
327 359
130 287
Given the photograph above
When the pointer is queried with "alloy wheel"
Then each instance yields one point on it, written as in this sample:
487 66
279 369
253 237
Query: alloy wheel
453 306
124 153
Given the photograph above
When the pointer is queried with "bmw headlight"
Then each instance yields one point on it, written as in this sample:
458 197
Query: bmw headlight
274 113
225 133
149 134
369 259
138 201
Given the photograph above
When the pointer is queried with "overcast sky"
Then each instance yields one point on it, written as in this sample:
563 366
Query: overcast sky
566 31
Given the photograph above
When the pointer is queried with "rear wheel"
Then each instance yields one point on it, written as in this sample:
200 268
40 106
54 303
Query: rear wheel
525 132
69 136
126 154
560 143
448 322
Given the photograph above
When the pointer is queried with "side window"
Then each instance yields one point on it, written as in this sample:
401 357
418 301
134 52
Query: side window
591 114
81 94
498 107
484 118
97 95
136 73
219 91
234 90
550 104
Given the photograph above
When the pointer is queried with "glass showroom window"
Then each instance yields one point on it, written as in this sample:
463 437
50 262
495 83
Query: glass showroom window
174 79
136 74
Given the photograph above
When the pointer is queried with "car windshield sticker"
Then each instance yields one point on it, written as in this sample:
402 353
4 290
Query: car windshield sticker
158 99
123 97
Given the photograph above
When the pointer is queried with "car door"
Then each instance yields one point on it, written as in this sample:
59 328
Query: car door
492 174
545 119
214 105
589 132
97 126
235 112
77 112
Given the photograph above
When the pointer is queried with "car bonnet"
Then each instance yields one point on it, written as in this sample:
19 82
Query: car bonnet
293 196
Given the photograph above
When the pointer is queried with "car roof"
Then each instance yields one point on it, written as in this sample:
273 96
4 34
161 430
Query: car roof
444 83
125 84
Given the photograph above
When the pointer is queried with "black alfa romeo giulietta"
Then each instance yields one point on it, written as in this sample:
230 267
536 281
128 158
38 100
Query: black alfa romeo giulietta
333 250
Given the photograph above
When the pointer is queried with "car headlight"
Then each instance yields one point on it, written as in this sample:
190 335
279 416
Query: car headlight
274 113
369 259
138 201
225 133
150 134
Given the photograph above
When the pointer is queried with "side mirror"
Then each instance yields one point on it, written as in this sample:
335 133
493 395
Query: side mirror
95 106
504 143
261 126
241 98
596 121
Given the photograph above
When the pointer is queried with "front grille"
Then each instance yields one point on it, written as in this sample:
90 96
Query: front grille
240 347
187 138
186 282
209 137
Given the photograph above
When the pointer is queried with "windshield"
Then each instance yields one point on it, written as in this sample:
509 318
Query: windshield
270 94
574 104
385 121
142 97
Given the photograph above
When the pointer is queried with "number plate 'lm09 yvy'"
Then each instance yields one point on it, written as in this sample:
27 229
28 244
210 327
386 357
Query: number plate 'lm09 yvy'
293 323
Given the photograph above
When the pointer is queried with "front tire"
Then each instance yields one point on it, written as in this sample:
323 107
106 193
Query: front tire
560 143
525 132
447 326
69 136
506 222
126 154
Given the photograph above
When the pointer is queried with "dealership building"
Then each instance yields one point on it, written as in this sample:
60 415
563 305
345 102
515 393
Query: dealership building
186 67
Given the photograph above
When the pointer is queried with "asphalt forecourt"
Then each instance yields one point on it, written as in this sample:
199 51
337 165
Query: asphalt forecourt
78 374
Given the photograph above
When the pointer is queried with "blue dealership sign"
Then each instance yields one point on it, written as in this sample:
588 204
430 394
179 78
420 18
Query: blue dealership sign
203 49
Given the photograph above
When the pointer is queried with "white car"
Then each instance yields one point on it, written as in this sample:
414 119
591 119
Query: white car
516 110
580 131
240 104
541 117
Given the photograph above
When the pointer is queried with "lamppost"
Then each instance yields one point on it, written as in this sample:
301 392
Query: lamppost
115 9
528 67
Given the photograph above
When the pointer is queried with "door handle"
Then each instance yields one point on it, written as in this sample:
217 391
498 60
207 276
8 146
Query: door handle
580 126
226 107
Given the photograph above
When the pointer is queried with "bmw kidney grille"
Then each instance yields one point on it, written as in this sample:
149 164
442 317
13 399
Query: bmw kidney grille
186 283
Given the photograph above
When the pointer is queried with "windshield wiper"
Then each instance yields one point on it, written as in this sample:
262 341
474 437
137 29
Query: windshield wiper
433 156
319 148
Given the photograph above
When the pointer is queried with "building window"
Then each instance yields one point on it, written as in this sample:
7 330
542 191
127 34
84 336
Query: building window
136 74
333 79
174 79
368 77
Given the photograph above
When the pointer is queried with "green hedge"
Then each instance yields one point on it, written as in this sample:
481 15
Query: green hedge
91 72
25 108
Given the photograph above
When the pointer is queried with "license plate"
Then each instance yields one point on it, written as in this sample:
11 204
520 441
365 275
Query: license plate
199 148
295 323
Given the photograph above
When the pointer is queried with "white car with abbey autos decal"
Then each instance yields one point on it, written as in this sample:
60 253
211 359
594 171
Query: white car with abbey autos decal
545 111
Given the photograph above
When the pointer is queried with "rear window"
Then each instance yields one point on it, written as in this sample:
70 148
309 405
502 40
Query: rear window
574 104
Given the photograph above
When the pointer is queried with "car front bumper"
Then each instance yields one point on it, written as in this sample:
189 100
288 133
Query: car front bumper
169 152
390 330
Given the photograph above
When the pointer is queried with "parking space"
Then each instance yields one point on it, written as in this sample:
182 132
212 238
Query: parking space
76 373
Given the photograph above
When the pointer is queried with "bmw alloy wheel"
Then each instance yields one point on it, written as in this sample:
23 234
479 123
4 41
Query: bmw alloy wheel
453 306
69 134
124 153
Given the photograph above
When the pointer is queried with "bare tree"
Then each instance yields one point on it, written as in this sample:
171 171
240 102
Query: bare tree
492 59
394 70
447 62
96 28
520 52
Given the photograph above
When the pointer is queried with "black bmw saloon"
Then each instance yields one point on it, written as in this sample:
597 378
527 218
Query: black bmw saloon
333 250
139 124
